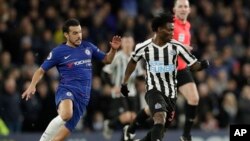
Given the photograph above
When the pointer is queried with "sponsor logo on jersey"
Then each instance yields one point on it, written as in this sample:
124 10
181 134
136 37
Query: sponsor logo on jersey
87 62
82 62
159 67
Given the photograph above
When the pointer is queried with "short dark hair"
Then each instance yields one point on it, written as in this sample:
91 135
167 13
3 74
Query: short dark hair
161 20
68 23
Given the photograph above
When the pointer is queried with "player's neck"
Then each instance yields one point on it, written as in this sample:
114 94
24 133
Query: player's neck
158 41
70 44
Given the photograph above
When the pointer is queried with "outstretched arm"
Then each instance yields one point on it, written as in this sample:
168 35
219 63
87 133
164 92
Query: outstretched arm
199 65
191 60
115 44
32 87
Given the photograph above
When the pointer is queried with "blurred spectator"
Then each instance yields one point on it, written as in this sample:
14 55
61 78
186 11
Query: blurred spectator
10 106
228 111
48 109
31 110
244 103
29 66
5 62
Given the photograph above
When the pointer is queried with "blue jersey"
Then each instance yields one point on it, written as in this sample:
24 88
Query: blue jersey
74 66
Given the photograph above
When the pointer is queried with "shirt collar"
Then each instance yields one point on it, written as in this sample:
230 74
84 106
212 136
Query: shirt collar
176 20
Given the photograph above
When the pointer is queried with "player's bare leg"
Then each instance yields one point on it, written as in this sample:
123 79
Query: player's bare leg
65 112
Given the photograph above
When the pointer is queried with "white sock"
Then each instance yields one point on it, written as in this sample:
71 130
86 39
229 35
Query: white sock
52 129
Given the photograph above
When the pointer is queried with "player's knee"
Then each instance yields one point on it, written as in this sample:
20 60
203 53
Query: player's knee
194 100
159 118
67 115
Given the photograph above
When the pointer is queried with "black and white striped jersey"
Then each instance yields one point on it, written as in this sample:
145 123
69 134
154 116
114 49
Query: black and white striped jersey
161 64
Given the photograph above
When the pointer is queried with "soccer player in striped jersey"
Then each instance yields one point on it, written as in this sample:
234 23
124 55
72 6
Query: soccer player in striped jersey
126 108
186 85
160 54
73 60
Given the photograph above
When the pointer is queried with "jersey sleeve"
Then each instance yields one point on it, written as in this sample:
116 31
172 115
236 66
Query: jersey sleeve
51 61
97 53
186 55
137 53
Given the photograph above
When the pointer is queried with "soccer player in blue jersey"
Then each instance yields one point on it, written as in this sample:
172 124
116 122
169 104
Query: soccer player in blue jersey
73 61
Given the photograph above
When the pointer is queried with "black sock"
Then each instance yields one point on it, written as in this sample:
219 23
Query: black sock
157 132
148 136
190 115
140 118
114 122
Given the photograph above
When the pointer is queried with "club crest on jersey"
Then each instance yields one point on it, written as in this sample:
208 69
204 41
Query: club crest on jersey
87 52
172 52
158 106
69 94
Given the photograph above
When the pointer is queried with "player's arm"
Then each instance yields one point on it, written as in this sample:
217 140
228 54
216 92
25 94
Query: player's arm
129 70
51 61
32 87
199 65
115 44
135 57
191 60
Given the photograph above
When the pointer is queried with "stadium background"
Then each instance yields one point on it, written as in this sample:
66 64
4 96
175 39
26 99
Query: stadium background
29 29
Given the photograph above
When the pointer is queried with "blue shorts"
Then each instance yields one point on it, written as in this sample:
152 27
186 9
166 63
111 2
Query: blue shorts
79 107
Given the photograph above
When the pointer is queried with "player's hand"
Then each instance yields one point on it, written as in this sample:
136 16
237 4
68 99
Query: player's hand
29 92
116 42
124 90
205 64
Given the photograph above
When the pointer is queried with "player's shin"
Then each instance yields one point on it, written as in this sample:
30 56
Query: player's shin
52 129
141 117
190 116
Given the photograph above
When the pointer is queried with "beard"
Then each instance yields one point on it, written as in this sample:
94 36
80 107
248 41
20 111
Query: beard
75 42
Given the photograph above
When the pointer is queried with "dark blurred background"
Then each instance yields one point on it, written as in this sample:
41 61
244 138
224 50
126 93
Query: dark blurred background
29 29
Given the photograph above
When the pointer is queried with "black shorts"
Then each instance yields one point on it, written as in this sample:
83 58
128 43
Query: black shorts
184 76
158 102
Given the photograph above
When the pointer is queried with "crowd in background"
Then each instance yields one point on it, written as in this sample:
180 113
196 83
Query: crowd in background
29 29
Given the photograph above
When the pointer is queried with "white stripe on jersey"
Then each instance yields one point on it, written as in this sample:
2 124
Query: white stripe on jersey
163 77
